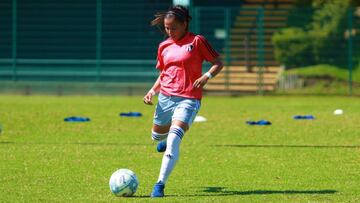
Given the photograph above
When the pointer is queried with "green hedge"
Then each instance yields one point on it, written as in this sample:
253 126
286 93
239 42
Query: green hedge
293 47
320 40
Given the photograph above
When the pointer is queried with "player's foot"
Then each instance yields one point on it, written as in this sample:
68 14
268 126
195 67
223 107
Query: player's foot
161 147
158 190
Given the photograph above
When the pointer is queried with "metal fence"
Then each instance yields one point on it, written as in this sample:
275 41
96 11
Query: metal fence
102 41
83 41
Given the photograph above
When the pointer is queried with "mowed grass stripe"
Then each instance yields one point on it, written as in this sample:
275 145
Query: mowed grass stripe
46 159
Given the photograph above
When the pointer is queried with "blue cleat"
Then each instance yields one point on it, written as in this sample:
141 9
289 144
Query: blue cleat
161 147
158 190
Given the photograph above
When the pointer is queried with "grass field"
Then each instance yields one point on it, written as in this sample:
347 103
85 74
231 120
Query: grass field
44 159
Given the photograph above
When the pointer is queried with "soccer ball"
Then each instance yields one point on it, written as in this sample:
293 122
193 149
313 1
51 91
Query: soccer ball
123 182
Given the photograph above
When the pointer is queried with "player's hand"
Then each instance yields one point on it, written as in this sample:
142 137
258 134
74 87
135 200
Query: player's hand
148 97
200 82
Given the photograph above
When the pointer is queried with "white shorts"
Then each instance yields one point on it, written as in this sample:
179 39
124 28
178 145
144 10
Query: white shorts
171 108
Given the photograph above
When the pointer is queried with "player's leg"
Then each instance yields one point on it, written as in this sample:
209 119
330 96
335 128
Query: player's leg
171 155
162 121
183 117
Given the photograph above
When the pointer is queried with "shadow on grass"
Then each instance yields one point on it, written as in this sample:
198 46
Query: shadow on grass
221 191
138 196
77 143
119 144
287 146
6 142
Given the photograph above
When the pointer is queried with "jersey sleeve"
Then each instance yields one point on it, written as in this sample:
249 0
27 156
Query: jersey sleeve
206 50
159 63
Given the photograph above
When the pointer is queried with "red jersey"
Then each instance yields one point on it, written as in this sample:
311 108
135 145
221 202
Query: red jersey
180 64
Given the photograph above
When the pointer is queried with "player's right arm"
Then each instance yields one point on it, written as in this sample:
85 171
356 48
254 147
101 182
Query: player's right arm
155 89
159 66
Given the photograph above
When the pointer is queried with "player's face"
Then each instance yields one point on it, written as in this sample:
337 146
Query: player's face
174 29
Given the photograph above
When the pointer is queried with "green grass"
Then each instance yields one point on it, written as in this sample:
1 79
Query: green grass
325 70
44 159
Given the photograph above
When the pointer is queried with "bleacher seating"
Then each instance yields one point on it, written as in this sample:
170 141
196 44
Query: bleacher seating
242 73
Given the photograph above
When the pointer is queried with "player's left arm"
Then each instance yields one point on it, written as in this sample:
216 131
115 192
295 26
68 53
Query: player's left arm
213 71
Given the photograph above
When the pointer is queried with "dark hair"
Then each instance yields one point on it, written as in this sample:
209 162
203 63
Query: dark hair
180 13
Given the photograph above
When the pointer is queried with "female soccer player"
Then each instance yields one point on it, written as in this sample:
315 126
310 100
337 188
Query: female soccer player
179 60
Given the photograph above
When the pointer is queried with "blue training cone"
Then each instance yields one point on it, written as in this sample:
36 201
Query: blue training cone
260 122
76 119
304 117
131 114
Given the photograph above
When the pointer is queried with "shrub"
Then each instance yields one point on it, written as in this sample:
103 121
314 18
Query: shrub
293 47
319 41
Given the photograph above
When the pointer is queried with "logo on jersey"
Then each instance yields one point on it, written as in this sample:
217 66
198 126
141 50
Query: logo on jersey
189 47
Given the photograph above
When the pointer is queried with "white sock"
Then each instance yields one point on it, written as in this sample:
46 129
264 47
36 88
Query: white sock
171 154
158 136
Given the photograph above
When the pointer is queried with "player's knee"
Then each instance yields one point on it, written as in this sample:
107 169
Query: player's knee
179 124
158 136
